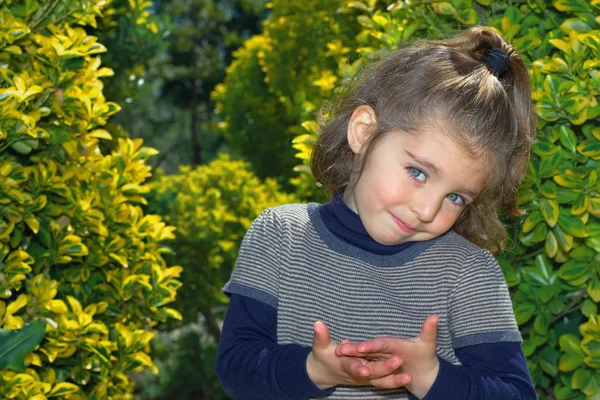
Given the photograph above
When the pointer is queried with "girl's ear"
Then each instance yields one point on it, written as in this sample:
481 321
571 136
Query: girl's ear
359 128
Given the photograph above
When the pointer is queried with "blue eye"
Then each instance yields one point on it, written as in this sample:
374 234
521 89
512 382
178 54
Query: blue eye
417 174
456 199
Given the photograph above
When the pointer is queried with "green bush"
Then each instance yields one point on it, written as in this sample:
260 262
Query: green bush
82 278
278 78
212 207
187 354
552 262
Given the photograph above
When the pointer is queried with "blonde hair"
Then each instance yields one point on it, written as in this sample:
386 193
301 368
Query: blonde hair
442 84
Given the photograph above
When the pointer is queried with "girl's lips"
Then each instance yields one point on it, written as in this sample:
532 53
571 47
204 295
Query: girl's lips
403 225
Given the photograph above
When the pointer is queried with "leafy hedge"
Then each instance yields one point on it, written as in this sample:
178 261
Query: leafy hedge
212 207
552 264
82 277
279 77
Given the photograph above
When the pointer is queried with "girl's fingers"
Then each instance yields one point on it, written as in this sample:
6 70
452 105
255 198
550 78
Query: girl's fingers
392 381
381 369
338 349
347 349
377 345
429 330
321 339
356 369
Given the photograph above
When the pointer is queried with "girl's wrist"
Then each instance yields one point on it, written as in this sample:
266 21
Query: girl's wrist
422 384
318 377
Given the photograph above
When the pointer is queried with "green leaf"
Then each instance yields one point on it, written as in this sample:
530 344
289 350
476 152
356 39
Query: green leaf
510 275
588 307
548 189
551 245
524 312
593 228
549 165
565 195
443 8
569 180
594 243
572 269
564 240
572 5
525 196
78 249
543 147
532 220
593 290
529 347
567 138
541 323
549 367
544 266
583 253
468 16
573 354
538 234
63 388
589 147
15 343
575 24
550 211
570 344
546 293
581 378
580 205
359 5
572 225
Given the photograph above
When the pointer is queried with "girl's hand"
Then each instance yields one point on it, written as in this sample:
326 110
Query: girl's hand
326 369
418 356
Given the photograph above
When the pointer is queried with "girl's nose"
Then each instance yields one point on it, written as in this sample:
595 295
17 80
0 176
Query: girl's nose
426 207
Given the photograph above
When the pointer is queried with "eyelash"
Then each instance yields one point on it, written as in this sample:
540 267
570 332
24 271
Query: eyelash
413 172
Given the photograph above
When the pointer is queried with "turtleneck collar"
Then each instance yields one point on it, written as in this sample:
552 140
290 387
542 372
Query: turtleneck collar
343 222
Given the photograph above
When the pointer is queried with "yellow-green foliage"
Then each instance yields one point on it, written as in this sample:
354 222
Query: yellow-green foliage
239 129
76 249
552 267
212 207
279 77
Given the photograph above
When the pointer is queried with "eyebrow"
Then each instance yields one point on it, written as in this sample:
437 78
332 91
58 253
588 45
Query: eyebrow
433 168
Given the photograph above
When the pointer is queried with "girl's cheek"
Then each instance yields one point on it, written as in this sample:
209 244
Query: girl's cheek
390 193
449 217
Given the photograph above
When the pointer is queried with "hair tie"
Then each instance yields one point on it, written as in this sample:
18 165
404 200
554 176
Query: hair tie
498 61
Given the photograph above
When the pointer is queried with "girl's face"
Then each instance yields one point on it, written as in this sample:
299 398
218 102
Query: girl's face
414 188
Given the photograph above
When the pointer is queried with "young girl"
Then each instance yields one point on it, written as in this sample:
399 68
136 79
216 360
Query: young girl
418 154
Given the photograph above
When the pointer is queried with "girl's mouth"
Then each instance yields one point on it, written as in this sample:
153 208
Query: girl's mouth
403 225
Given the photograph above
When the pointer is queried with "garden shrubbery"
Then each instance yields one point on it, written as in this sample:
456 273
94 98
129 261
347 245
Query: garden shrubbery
83 281
212 207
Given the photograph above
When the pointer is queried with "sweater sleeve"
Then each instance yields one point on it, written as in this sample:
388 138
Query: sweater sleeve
257 268
489 371
480 309
251 365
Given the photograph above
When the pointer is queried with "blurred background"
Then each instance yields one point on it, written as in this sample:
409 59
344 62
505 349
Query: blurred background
227 92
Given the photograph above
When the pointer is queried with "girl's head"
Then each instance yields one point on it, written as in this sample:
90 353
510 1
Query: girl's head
444 92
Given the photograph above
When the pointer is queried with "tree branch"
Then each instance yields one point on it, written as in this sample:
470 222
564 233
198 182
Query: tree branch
211 324
44 15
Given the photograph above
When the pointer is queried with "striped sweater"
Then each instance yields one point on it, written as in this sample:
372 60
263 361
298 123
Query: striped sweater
292 262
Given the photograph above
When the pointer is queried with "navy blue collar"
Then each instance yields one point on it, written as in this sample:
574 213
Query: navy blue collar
344 223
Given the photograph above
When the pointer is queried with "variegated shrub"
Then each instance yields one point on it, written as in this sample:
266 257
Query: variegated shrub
82 278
